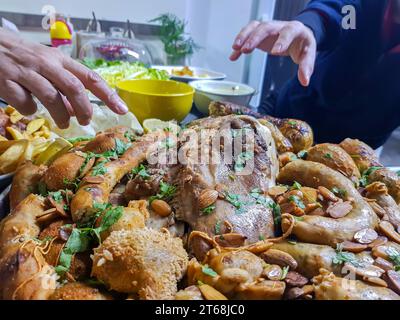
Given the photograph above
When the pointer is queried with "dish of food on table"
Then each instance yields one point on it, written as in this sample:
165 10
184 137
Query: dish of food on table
102 220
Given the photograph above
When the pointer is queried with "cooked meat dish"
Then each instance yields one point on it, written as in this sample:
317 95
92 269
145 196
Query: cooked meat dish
233 206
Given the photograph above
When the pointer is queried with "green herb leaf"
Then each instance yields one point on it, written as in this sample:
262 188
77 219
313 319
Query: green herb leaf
240 162
79 139
121 147
167 191
328 156
276 212
284 273
42 189
296 200
296 186
344 256
141 171
261 237
130 136
217 227
365 176
233 199
208 210
302 154
99 169
208 271
56 195
340 192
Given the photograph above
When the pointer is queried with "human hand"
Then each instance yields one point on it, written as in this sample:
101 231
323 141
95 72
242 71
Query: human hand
58 81
281 38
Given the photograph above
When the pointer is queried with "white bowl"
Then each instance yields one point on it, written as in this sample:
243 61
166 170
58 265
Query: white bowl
211 90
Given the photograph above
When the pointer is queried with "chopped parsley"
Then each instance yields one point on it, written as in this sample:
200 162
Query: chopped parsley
85 235
71 183
140 171
364 181
42 189
276 212
302 154
260 199
292 123
79 139
234 200
344 256
261 237
240 162
208 210
339 192
57 196
217 227
99 169
284 273
208 271
296 186
166 192
297 201
328 156
394 256
130 136
121 147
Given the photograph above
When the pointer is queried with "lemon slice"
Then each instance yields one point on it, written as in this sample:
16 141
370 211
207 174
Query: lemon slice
54 150
150 125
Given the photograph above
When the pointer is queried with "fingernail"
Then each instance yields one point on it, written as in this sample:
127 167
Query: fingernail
119 104
277 48
248 45
238 42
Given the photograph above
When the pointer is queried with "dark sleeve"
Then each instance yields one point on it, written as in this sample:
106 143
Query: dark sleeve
324 18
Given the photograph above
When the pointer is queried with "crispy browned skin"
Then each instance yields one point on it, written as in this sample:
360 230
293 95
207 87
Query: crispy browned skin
88 193
105 141
282 143
390 179
298 132
25 182
329 287
79 291
65 168
336 158
143 261
363 155
310 257
324 230
24 273
379 192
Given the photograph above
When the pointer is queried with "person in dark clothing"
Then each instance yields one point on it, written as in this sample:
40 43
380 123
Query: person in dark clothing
348 83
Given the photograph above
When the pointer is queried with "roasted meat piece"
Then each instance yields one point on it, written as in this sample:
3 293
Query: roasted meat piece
218 194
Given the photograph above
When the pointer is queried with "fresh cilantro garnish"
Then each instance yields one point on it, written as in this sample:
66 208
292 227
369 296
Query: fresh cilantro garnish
240 162
82 237
302 154
166 192
121 147
261 237
260 199
87 157
141 171
328 155
344 256
284 273
79 139
364 181
394 256
208 271
99 169
57 196
208 210
296 186
217 227
297 201
130 136
234 200
340 192
292 123
68 183
276 212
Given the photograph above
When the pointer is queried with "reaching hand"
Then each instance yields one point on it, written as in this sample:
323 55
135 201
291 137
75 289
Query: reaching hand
58 82
282 38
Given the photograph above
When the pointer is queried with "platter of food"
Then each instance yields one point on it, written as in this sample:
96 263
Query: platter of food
165 215
186 73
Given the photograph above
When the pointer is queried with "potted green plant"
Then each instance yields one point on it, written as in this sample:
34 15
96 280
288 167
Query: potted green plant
177 43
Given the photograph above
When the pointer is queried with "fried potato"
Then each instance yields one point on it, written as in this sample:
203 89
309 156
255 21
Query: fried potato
10 159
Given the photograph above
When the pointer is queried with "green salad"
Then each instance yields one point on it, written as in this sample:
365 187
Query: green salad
114 71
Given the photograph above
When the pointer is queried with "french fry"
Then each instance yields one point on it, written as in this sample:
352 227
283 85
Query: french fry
10 158
9 110
3 138
35 125
15 116
15 133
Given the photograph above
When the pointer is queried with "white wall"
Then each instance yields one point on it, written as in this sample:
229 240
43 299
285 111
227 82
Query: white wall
214 25
140 11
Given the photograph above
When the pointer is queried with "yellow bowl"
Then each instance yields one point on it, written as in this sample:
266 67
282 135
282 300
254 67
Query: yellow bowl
162 99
